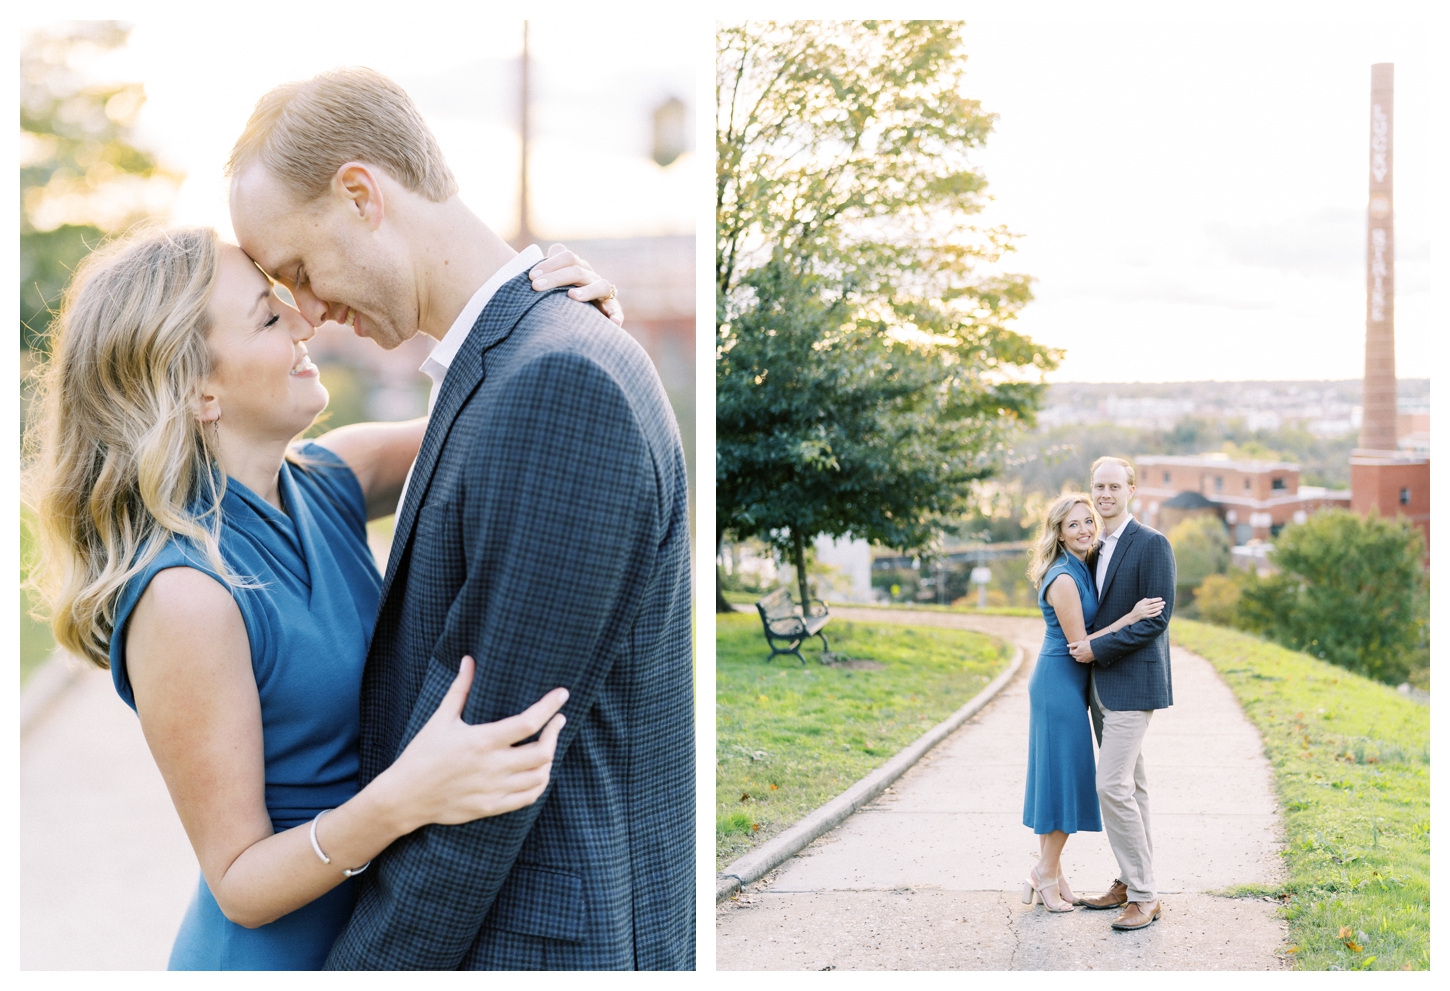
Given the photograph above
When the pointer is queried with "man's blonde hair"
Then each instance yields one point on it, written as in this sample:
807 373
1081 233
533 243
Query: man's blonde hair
1108 459
304 132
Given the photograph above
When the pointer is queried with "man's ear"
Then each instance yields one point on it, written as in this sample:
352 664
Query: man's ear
358 186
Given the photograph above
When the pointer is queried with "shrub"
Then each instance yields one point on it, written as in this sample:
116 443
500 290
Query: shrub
1218 598
1201 548
1351 590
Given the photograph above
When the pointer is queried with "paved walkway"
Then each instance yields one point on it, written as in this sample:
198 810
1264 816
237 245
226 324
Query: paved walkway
106 871
929 877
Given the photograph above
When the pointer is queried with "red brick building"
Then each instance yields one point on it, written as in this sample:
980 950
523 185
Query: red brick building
1393 484
1255 499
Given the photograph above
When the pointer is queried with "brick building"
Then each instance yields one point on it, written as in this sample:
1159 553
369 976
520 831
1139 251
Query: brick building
1392 484
1255 499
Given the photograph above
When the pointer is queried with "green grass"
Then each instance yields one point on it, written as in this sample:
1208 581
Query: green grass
750 598
790 737
1351 760
1033 613
36 643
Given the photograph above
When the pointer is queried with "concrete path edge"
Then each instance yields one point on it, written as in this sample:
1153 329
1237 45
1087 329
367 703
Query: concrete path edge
47 684
775 851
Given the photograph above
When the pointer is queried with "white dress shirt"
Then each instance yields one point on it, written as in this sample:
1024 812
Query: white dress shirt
1105 553
436 365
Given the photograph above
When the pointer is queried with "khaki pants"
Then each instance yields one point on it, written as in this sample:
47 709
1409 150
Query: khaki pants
1123 794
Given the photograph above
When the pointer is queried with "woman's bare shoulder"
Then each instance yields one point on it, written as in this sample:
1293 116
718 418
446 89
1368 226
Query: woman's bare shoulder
182 606
1063 584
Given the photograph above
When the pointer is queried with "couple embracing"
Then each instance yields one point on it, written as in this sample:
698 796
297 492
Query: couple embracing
482 758
1105 584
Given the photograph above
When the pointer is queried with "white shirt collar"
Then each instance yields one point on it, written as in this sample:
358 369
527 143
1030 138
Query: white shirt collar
436 365
1119 531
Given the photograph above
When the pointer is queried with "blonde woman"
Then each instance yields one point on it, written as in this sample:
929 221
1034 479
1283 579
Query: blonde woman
221 571
1061 788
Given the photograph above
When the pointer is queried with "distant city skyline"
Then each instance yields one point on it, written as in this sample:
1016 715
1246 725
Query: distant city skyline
1326 408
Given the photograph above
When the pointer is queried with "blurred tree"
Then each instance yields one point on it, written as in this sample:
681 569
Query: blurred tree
1217 598
866 374
1351 590
80 177
1201 547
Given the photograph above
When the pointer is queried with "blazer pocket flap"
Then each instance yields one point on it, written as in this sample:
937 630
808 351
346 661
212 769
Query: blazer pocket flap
538 902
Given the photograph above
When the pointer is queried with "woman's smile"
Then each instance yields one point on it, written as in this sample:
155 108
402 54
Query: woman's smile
304 366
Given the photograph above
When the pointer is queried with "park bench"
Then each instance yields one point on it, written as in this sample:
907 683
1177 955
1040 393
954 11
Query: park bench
787 623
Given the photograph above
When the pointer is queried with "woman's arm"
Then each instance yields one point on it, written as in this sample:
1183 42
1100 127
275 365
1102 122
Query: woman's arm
190 667
1143 609
380 455
1066 601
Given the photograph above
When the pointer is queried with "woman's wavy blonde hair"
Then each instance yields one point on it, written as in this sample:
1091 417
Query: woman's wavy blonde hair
1049 546
116 459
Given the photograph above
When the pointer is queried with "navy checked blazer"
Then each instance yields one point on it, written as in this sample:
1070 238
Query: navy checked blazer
545 533
1132 670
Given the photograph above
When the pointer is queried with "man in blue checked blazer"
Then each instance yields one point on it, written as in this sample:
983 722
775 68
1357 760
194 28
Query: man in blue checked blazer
1131 677
543 531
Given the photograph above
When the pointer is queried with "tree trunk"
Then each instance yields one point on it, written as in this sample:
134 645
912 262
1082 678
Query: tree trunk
800 569
721 604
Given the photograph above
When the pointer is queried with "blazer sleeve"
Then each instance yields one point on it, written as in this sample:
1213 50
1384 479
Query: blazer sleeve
1157 577
560 523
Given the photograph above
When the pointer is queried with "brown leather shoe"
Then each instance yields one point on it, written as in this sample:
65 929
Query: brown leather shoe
1138 915
1116 897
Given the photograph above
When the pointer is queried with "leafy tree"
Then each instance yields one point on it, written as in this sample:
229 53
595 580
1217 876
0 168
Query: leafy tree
81 178
1201 548
1350 590
866 374
1217 598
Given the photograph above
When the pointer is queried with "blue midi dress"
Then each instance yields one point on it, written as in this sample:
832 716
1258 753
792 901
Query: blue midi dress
308 627
1061 777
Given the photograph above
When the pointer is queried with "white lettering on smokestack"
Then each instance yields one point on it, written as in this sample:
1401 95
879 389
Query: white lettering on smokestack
1378 427
1379 143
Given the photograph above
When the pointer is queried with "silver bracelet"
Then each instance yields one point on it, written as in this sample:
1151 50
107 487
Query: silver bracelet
317 848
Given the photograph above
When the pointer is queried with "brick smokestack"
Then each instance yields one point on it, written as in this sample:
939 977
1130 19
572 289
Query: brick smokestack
1378 429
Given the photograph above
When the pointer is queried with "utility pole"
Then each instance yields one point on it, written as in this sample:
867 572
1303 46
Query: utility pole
525 235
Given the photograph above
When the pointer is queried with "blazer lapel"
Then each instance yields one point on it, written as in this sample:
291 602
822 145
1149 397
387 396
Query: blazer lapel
1124 539
466 373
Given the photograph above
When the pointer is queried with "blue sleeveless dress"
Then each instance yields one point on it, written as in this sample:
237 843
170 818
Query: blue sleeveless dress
308 629
1061 777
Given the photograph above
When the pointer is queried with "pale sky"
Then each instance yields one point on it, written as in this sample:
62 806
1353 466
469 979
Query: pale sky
1192 194
1191 191
595 83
